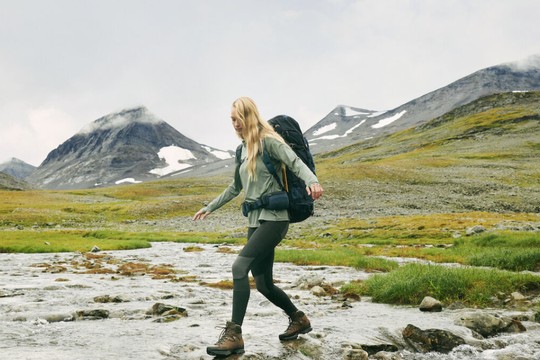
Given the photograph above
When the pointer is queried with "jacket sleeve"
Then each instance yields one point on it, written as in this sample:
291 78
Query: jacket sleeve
227 195
284 153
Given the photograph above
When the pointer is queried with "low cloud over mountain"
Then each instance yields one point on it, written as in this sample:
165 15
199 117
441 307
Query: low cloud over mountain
130 146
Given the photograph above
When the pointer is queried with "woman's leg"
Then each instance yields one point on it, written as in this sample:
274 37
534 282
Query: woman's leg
258 256
263 273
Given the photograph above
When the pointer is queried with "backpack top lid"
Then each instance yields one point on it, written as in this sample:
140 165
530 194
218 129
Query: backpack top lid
290 131
284 123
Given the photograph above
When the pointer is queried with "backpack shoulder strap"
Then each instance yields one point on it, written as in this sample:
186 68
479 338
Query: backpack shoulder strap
271 168
239 154
238 161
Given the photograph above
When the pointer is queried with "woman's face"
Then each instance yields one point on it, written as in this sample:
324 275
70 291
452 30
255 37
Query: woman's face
236 122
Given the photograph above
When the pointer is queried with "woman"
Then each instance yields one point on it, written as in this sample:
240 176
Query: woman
266 228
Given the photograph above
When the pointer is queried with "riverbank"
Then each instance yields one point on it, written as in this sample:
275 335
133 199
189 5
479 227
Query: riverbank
51 306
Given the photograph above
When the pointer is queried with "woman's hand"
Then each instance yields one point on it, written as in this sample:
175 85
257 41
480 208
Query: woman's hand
201 214
315 190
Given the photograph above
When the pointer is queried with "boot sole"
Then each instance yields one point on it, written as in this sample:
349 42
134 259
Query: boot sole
295 336
216 352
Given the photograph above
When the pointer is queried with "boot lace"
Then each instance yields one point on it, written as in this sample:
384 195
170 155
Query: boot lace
292 324
226 334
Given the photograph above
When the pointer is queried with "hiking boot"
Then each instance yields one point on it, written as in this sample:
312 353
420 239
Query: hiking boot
298 324
230 341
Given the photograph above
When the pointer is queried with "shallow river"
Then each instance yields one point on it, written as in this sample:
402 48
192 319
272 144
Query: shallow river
35 297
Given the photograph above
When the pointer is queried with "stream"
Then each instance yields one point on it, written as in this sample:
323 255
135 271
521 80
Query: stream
41 293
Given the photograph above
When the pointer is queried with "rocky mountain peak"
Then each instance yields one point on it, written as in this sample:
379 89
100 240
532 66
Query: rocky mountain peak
132 145
346 125
121 119
17 168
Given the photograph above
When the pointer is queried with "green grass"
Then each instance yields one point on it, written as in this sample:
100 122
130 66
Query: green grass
459 145
62 241
106 206
49 241
335 257
500 129
476 287
503 250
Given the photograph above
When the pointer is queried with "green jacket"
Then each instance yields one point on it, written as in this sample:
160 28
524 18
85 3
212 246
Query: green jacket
264 182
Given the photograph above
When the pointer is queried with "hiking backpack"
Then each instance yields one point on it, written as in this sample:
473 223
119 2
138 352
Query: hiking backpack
300 203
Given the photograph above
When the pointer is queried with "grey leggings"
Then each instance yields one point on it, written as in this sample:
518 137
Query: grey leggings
258 257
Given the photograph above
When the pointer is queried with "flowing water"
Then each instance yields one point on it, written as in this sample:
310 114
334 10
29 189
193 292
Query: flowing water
39 291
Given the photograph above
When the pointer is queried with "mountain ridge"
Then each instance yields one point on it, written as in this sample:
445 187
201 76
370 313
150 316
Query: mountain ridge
133 145
482 156
128 146
350 127
17 168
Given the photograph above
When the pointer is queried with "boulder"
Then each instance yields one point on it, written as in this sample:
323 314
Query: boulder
96 314
431 339
430 304
318 291
308 281
108 299
477 229
167 313
490 325
58 318
355 354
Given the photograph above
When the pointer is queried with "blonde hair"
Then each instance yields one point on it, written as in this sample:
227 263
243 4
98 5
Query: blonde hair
254 130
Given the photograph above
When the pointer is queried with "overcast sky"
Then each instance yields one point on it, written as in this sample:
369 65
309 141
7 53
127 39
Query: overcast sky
65 63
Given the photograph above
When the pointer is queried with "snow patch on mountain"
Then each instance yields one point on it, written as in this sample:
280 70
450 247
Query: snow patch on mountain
127 181
173 156
332 137
223 155
388 120
324 129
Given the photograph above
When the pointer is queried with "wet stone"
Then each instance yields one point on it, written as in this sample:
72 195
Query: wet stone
430 304
431 339
96 314
490 325
355 354
59 318
167 313
109 299
373 349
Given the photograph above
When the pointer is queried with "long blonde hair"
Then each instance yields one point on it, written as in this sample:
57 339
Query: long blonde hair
254 130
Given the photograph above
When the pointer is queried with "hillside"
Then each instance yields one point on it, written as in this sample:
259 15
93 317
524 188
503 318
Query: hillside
8 182
17 168
480 161
346 125
483 156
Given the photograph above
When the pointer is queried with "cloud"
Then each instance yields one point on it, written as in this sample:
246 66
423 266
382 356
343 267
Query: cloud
530 62
72 63
120 119
44 129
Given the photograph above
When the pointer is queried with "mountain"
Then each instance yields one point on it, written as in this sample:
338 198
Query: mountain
129 146
17 168
346 125
8 182
482 156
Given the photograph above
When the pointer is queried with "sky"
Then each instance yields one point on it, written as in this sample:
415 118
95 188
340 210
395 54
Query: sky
66 63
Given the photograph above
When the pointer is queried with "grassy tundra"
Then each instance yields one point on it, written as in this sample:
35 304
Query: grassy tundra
412 194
